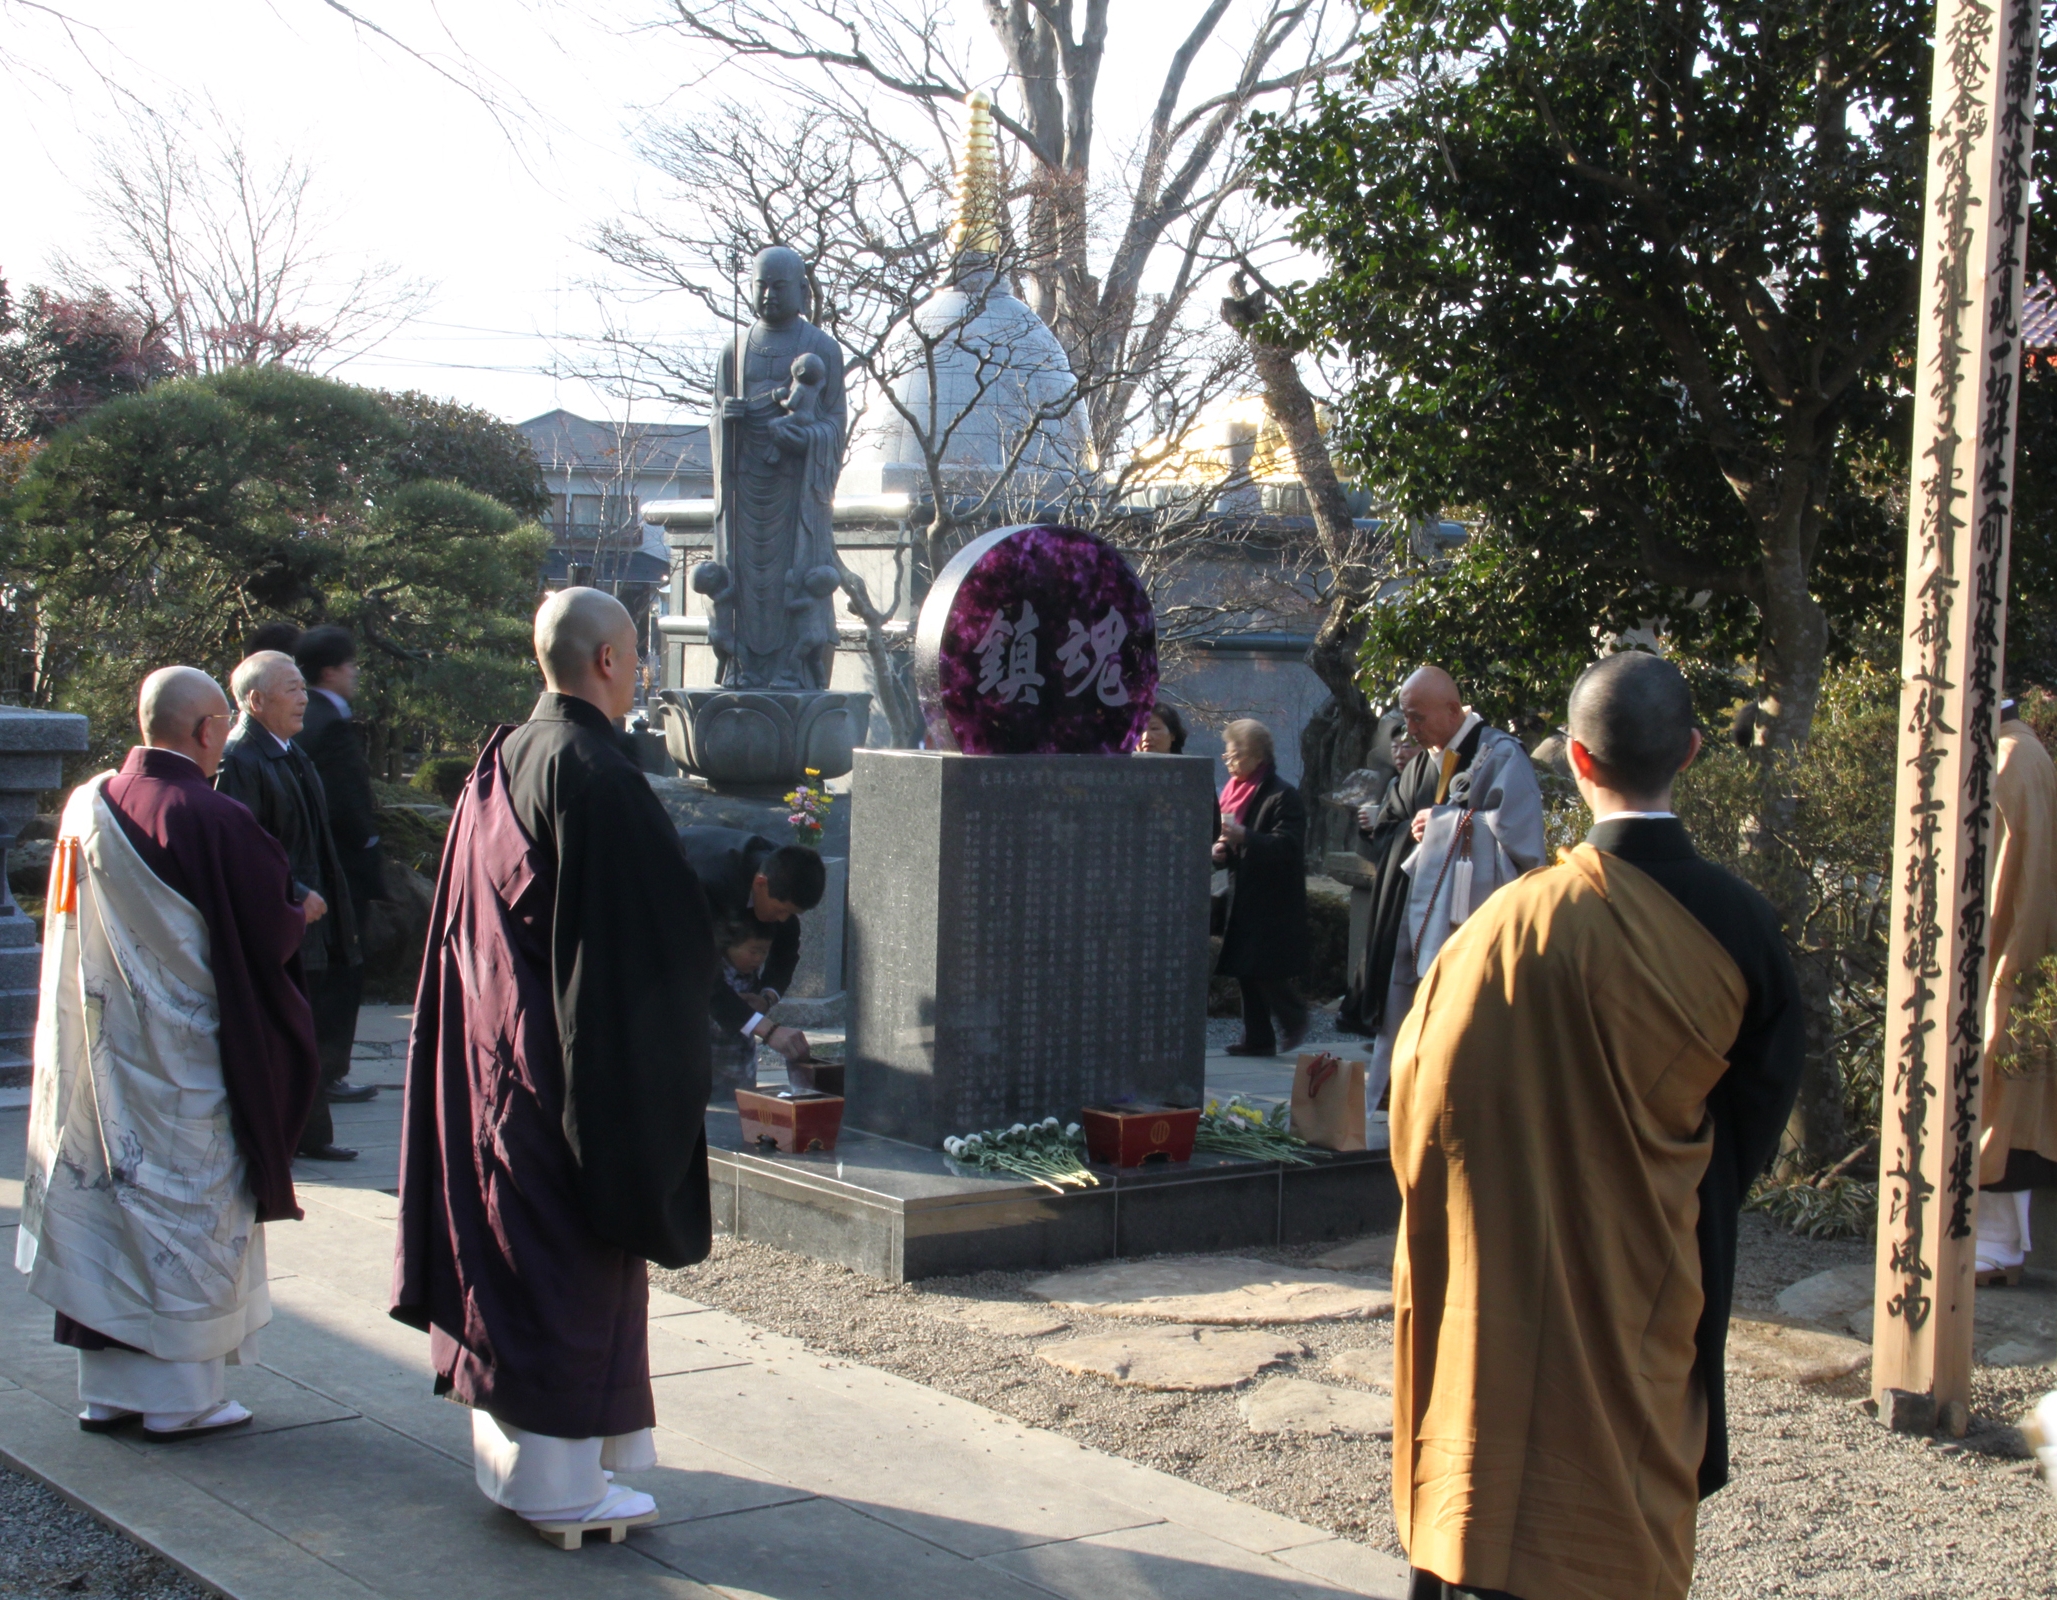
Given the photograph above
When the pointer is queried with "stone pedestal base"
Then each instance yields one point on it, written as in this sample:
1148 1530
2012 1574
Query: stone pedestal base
762 740
1027 936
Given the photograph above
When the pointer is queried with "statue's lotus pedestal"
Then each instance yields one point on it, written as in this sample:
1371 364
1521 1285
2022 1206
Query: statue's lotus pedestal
762 741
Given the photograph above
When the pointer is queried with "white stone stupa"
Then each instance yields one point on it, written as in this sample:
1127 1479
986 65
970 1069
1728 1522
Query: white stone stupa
979 372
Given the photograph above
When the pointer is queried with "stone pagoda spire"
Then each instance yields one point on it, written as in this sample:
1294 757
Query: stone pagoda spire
975 229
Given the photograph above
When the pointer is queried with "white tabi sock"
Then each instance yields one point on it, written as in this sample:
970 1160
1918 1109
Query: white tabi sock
542 1478
2002 1230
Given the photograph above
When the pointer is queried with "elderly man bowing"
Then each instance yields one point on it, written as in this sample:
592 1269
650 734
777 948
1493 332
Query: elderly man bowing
1460 820
557 1081
175 1065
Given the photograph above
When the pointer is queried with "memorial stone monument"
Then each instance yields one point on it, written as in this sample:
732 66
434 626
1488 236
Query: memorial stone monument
33 745
777 429
1028 901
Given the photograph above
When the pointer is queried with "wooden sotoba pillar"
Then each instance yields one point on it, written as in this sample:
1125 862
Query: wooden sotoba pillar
1982 121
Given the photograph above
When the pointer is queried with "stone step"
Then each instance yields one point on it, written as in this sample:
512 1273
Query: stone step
17 1012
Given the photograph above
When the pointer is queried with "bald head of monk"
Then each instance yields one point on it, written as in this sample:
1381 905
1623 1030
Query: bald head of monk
586 646
182 709
1432 706
1632 732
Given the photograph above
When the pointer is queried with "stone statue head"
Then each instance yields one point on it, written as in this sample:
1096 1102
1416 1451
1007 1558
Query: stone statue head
778 285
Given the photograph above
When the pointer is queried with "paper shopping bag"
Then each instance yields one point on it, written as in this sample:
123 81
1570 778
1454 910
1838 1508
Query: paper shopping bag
1328 1101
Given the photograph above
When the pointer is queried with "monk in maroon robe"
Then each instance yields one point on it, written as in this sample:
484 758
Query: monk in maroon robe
173 908
557 1084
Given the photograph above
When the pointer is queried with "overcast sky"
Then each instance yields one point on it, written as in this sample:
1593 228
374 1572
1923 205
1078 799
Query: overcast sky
493 208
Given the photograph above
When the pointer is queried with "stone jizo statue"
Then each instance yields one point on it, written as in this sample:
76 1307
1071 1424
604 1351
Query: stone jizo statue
778 425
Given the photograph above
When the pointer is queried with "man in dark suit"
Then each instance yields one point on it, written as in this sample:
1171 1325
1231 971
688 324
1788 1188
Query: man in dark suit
334 742
264 769
744 876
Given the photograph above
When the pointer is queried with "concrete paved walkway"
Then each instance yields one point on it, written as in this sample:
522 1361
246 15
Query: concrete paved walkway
782 1473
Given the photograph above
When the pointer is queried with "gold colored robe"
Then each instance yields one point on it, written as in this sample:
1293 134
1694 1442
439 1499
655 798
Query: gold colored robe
2019 1112
1549 1134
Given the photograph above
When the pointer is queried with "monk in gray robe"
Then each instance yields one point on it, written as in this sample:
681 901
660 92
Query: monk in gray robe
1462 819
175 1068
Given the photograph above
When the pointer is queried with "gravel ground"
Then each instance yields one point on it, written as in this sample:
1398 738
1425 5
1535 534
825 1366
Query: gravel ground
48 1547
1824 1502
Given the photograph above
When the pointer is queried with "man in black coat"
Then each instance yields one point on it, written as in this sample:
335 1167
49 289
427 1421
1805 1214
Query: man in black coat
264 769
334 742
745 876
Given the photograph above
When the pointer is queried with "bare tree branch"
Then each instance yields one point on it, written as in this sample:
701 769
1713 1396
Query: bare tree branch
226 254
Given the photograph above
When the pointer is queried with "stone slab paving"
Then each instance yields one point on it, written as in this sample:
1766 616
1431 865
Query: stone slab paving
1828 1297
2011 1326
1374 1255
1216 1289
1300 1405
781 1472
1172 1357
1763 1349
1370 1365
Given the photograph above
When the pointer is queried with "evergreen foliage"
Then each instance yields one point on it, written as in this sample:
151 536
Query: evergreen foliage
1633 285
163 526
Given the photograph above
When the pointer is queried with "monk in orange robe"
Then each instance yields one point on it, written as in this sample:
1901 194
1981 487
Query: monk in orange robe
1596 1067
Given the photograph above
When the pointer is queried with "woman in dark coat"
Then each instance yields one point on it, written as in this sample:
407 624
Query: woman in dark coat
1261 838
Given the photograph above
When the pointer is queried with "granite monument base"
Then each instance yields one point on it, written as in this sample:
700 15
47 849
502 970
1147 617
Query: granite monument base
901 1213
1027 936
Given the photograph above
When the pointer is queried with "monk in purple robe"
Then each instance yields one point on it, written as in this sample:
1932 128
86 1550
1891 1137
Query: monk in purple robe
174 1071
557 1084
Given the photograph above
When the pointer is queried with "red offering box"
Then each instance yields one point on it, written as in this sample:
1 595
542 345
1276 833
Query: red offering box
805 1122
1127 1136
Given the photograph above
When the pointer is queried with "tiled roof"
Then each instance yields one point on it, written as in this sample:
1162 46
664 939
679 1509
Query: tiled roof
563 441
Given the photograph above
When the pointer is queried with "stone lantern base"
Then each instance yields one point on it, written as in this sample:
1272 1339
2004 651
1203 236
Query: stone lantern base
762 741
33 745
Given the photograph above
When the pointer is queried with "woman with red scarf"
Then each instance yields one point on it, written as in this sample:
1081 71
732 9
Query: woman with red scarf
1261 838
